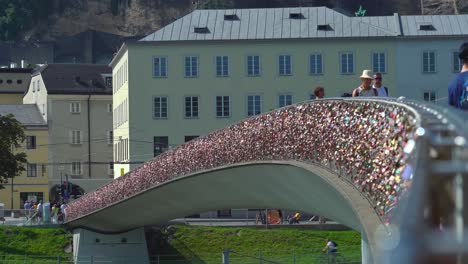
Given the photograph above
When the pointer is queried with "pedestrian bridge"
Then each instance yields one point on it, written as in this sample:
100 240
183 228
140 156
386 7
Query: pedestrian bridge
391 169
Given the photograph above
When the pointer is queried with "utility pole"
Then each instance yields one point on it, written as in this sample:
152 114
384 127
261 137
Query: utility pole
422 7
12 192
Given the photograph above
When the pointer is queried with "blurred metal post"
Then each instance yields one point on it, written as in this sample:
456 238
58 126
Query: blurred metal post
225 256
266 218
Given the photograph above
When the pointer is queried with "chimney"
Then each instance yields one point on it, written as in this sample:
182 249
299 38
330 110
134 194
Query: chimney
24 63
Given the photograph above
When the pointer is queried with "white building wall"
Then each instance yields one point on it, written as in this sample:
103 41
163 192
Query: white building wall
411 82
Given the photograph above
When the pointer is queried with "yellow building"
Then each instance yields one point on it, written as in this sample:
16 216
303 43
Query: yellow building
32 184
13 84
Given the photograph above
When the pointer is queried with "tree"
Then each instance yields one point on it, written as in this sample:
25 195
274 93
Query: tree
11 137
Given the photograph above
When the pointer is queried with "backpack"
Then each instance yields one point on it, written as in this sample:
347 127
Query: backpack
386 90
334 243
464 97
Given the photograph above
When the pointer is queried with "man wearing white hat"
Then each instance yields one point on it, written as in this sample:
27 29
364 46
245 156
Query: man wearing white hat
365 89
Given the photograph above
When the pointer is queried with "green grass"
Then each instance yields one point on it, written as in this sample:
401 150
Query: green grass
196 244
21 241
205 244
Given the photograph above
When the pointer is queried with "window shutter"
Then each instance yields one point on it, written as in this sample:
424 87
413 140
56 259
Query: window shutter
70 135
80 136
71 107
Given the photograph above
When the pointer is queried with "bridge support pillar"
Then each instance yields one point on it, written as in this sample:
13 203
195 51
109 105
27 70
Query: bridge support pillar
365 252
94 247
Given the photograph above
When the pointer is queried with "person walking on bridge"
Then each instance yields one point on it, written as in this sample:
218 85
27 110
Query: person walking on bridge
365 89
458 88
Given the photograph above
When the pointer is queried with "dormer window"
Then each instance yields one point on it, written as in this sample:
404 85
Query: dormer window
296 16
232 17
324 27
426 27
201 30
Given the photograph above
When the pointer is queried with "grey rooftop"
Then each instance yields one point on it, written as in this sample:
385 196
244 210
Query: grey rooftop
26 114
303 23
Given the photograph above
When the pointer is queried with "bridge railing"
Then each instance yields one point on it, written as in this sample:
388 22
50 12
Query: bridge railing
430 224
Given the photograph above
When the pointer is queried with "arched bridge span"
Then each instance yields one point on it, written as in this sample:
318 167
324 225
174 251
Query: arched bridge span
347 159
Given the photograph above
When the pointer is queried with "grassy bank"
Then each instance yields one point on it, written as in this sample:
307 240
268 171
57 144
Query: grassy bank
284 245
195 244
20 241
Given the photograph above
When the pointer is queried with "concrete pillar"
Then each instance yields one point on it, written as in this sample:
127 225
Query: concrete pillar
365 251
128 247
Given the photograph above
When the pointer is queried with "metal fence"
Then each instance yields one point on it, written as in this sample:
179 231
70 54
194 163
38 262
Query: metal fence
28 217
312 256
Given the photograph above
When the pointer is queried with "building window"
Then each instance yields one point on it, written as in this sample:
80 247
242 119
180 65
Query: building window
222 66
75 137
188 138
109 108
223 106
253 65
32 169
254 105
429 62
284 64
110 137
347 63
159 107
430 96
75 107
108 81
9 81
76 168
284 100
34 87
44 170
191 107
19 81
160 145
379 62
110 168
191 66
315 64
160 67
457 63
30 142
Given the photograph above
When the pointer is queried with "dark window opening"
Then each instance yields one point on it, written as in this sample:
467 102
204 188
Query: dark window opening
325 27
9 81
188 138
296 16
160 145
201 30
109 81
19 81
426 27
231 17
